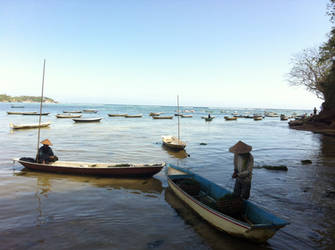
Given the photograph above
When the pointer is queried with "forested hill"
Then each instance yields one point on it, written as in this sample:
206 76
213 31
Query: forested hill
7 98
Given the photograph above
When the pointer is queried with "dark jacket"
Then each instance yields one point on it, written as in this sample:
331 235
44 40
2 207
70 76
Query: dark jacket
44 154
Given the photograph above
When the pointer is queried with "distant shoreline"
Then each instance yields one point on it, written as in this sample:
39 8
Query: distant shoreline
25 99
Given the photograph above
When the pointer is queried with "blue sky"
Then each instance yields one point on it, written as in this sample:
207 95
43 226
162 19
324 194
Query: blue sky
211 53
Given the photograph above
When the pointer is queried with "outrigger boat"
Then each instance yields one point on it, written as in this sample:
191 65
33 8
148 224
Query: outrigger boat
98 169
259 225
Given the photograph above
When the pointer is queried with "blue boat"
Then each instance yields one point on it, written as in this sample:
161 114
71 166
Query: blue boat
258 224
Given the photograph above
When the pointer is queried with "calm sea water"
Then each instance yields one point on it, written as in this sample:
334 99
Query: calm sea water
40 210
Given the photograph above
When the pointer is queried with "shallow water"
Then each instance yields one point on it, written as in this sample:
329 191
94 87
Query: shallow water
40 210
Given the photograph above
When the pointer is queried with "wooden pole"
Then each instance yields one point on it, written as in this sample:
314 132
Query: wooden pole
39 122
178 119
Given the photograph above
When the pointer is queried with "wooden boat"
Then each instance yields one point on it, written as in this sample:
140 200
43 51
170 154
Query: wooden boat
134 116
99 169
67 116
227 118
90 111
208 119
34 113
259 224
258 117
186 116
16 106
154 114
162 117
172 142
18 112
27 126
72 111
283 117
96 119
117 115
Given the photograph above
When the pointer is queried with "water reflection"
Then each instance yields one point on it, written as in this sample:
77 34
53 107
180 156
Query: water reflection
181 154
45 182
213 237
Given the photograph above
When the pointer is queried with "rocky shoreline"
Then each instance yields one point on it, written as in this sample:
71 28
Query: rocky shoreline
323 123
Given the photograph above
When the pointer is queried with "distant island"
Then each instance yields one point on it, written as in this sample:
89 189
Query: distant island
7 98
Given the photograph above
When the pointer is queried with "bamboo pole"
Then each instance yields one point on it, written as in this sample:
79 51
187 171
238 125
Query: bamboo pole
39 121
178 119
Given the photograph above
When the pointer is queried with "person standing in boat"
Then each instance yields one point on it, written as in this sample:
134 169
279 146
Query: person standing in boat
243 165
45 154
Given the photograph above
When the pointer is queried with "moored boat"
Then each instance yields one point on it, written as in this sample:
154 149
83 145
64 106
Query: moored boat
172 142
72 111
134 116
90 111
99 169
19 112
117 115
67 116
186 116
97 119
154 114
34 113
227 118
162 117
27 126
258 224
258 117
16 106
283 117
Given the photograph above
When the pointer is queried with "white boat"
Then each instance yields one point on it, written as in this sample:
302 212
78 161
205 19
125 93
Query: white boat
97 119
67 116
27 126
258 225
72 111
186 116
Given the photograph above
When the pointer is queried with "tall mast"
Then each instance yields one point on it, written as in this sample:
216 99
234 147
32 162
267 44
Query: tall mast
178 118
39 122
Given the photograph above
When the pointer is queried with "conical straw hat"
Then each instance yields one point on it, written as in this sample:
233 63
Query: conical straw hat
46 142
240 148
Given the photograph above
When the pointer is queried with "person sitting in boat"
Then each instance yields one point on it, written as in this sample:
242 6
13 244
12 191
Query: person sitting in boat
45 154
243 165
209 116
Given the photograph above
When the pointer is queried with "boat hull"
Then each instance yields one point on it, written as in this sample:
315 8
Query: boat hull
28 126
88 169
221 221
82 120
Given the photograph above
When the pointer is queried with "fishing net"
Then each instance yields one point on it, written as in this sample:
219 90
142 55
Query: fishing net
190 186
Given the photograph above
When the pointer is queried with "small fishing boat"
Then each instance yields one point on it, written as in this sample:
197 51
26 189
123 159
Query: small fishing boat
34 113
258 224
208 119
283 117
98 169
172 142
72 111
97 119
90 111
117 115
134 116
67 116
19 113
258 117
27 126
154 114
177 114
186 116
227 118
16 106
162 117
